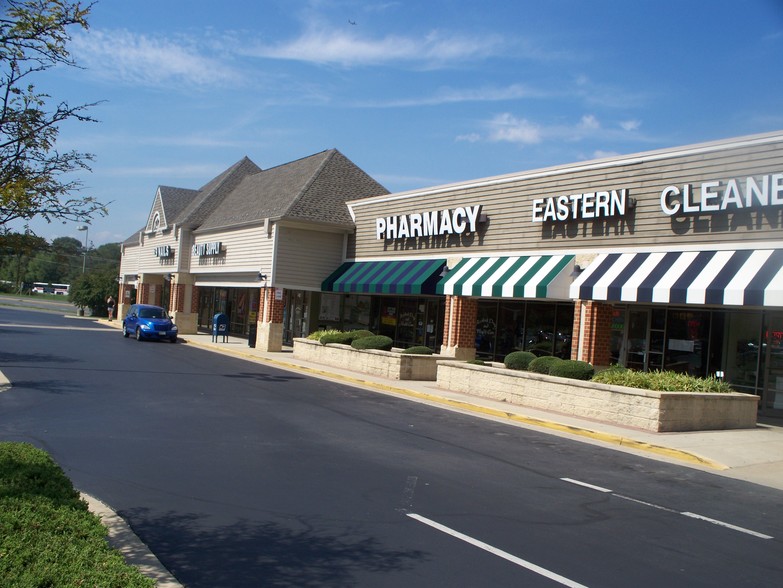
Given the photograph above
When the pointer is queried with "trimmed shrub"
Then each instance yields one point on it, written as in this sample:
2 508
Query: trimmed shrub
518 360
542 365
477 362
573 369
344 337
359 333
338 337
380 342
418 350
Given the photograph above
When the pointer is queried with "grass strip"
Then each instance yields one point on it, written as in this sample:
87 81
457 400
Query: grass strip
48 537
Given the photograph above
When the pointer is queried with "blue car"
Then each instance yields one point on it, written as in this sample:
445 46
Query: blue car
146 321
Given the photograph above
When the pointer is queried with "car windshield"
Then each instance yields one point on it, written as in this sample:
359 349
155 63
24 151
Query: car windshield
152 313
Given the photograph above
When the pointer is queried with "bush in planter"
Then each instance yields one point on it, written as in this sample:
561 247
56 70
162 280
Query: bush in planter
380 342
661 381
359 333
542 365
518 360
344 337
418 350
316 335
477 362
573 369
338 337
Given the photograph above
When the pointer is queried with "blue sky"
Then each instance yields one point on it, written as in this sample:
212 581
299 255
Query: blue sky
416 93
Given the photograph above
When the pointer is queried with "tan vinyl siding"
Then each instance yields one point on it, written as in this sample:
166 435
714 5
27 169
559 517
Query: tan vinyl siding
508 202
305 258
148 262
247 249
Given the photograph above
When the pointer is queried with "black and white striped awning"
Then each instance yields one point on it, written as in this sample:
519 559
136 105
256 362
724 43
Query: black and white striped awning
735 278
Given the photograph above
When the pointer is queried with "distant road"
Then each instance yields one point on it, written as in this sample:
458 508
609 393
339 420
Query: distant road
35 302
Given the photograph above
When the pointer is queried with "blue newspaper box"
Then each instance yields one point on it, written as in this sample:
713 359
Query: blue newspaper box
220 327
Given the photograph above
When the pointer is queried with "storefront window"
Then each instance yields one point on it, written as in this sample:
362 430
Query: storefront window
356 313
388 317
540 336
542 328
486 329
687 341
743 331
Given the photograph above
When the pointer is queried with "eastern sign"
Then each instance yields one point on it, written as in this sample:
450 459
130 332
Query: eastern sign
718 195
201 249
586 206
428 224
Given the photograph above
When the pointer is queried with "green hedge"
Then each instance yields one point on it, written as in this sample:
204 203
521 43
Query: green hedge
661 381
477 362
380 342
418 350
48 537
573 369
344 337
518 360
542 365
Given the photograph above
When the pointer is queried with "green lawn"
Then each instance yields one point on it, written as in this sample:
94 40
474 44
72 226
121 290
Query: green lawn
48 537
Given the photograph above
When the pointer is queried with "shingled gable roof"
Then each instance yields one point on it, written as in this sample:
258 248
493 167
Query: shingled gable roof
170 202
313 188
212 194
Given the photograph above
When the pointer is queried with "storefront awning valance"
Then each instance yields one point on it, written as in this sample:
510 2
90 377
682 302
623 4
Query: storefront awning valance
534 276
386 277
737 278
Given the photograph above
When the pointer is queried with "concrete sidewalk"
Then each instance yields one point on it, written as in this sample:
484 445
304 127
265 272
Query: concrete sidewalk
754 455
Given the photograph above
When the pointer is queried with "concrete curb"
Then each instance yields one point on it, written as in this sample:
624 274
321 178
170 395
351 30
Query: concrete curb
124 540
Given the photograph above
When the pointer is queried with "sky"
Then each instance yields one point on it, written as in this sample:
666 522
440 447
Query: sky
416 93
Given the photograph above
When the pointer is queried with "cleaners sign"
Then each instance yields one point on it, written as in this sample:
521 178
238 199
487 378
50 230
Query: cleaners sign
428 224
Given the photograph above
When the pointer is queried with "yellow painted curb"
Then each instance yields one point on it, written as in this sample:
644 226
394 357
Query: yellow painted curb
609 438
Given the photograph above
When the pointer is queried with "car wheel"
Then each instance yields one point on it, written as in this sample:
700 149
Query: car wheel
173 339
138 334
125 332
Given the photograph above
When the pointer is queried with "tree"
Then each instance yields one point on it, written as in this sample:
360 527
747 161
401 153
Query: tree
17 248
35 178
91 290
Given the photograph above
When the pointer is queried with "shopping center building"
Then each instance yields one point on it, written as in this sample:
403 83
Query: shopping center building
671 259
252 244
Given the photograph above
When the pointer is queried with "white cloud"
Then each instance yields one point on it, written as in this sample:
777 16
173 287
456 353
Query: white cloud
506 127
138 59
453 96
589 123
322 46
630 125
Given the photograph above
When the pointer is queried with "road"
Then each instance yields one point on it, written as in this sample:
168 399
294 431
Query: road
238 474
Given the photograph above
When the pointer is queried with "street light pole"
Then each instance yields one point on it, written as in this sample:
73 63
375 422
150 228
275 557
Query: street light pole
86 229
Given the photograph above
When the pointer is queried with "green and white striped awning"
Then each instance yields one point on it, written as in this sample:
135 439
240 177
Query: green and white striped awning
530 276
386 277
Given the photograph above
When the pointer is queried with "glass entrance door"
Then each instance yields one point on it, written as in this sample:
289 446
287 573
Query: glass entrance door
772 394
645 339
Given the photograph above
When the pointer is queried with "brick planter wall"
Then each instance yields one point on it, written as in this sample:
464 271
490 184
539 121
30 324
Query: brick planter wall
643 409
385 364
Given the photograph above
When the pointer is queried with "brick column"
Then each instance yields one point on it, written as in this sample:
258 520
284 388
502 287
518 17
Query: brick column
125 299
270 320
182 304
459 329
593 324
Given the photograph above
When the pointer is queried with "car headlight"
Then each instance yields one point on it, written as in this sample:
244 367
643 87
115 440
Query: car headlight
145 327
173 327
